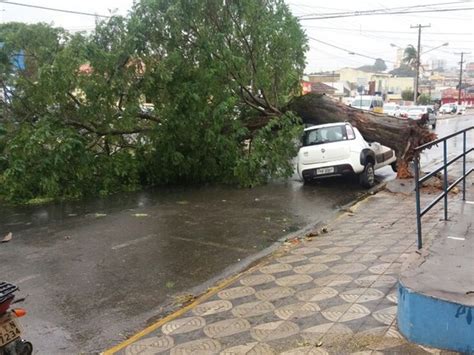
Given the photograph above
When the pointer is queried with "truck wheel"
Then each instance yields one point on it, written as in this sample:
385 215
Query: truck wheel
367 177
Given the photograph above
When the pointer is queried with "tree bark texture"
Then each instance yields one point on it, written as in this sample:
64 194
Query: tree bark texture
402 135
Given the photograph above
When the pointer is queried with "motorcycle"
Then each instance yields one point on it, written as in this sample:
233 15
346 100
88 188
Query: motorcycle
11 342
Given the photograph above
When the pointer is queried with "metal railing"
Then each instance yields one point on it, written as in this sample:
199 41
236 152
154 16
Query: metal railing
446 188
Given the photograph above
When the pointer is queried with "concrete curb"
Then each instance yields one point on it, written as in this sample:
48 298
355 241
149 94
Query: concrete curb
435 322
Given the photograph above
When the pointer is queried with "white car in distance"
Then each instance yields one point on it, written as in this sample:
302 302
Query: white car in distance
417 113
338 149
391 109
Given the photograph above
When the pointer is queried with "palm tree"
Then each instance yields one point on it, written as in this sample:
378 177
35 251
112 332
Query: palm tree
410 56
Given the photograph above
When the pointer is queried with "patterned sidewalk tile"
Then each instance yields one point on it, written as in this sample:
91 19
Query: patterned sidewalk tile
334 294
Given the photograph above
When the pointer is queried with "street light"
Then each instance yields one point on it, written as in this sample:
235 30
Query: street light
432 49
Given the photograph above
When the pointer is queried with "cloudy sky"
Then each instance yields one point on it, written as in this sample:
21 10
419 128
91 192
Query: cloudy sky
365 36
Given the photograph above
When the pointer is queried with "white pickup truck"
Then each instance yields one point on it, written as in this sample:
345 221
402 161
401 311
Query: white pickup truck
339 149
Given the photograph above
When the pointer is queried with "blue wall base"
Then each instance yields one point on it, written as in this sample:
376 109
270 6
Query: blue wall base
435 322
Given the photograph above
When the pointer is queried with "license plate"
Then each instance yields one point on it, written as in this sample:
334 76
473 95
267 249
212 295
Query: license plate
323 171
9 329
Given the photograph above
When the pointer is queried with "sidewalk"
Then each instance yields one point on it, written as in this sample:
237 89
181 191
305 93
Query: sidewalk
330 294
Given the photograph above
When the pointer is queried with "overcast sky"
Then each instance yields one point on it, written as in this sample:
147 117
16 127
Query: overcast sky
369 36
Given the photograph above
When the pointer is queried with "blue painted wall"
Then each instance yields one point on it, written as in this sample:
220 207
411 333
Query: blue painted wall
434 322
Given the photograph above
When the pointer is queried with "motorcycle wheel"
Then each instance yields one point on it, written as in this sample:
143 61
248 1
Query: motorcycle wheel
24 348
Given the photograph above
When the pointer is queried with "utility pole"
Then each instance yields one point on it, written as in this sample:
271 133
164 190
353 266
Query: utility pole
417 69
460 75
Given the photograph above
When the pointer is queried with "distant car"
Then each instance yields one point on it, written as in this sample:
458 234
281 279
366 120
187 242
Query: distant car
461 110
404 111
448 108
338 149
423 112
391 109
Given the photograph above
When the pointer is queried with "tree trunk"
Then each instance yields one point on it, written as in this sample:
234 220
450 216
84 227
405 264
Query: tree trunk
402 135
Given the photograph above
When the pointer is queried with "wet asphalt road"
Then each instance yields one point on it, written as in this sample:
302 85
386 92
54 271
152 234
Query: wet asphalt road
96 271
445 126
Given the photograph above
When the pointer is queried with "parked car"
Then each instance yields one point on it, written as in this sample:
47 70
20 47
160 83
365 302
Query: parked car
423 112
448 108
391 109
404 111
338 149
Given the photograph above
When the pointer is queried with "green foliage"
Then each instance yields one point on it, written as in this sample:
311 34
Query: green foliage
378 66
407 95
424 99
214 78
48 160
410 56
403 70
267 154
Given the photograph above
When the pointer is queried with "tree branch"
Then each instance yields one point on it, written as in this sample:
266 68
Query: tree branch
269 105
147 116
73 98
254 106
108 132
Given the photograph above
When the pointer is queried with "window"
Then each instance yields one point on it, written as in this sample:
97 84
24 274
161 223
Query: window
328 135
361 103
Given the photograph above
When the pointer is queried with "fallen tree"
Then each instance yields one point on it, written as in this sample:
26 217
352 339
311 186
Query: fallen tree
402 135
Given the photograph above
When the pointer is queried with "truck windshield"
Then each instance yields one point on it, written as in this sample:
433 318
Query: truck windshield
324 135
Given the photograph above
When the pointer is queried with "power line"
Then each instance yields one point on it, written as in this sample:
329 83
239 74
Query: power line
332 55
378 12
53 9
347 50
385 9
397 32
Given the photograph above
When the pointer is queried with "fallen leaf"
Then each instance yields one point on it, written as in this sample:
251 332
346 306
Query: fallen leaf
292 241
140 215
7 238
